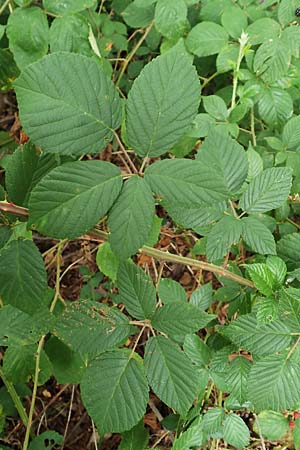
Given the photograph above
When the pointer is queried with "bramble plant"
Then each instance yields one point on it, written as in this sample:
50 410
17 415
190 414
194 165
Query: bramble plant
149 118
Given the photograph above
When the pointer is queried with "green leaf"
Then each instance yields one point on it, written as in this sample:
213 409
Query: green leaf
291 38
23 278
274 384
222 236
260 339
70 34
184 182
114 391
203 296
237 378
291 134
154 232
131 218
73 110
262 277
256 164
91 327
272 425
289 305
286 11
67 6
170 374
216 107
288 249
136 290
107 261
73 197
271 60
170 290
212 420
46 441
193 437
19 172
195 215
178 319
258 236
5 235
218 152
162 103
275 106
235 431
206 38
267 191
196 349
135 439
234 20
27 31
227 58
171 18
18 328
263 29
138 16
68 366
278 268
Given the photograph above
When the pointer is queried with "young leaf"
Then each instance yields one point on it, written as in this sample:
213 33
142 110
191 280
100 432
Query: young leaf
216 107
262 277
222 236
27 31
267 191
136 438
278 268
218 152
178 319
23 278
131 218
206 38
114 391
92 328
162 103
258 236
260 339
107 261
73 110
236 432
185 182
274 384
171 374
72 198
170 290
136 290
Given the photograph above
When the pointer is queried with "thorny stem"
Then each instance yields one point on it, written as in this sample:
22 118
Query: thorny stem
15 398
164 256
40 348
4 6
133 52
243 43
